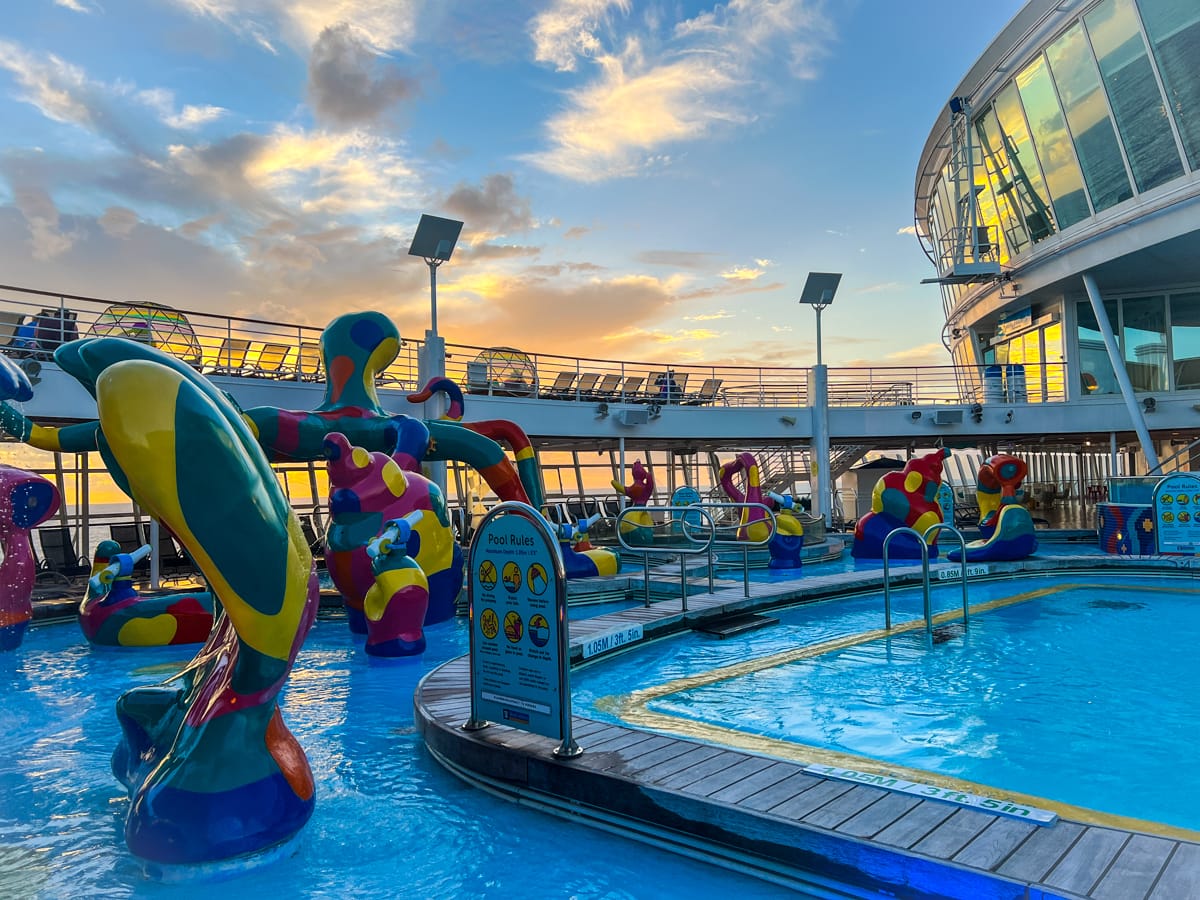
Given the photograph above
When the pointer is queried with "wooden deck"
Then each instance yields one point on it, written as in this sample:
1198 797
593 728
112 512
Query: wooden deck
769 816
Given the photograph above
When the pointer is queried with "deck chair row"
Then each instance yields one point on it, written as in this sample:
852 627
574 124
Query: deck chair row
663 387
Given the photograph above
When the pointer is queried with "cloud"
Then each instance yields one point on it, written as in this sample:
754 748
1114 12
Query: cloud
577 231
73 6
881 288
194 116
348 85
742 273
931 354
567 30
708 317
46 239
499 251
654 91
118 221
907 229
384 24
493 208
680 259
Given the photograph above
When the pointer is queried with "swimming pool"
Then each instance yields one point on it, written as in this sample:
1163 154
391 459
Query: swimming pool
389 821
1066 693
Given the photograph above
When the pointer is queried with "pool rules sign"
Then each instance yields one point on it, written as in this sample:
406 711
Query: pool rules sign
520 663
1177 514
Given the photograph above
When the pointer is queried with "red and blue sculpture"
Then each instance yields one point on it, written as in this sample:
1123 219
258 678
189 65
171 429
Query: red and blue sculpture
114 614
26 500
907 498
637 528
1005 526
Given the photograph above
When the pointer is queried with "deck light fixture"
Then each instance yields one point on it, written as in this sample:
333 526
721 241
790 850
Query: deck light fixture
818 293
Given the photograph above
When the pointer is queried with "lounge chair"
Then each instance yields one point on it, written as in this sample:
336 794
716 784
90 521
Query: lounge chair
316 543
58 552
587 382
171 562
561 388
606 389
308 361
231 357
709 392
270 362
631 390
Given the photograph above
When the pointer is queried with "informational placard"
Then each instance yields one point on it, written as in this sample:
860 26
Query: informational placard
518 602
1176 505
933 792
686 495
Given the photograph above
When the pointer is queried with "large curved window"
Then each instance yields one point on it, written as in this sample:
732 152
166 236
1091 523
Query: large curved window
1137 103
1048 131
1028 184
1173 27
1086 106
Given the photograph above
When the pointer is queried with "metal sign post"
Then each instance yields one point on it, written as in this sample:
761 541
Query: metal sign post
520 656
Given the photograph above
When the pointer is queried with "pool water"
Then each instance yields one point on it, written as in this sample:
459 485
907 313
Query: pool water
389 821
1083 693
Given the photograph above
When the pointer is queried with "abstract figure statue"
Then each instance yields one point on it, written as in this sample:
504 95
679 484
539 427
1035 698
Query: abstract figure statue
787 542
904 498
212 771
1005 526
638 527
26 500
580 558
396 603
114 614
366 490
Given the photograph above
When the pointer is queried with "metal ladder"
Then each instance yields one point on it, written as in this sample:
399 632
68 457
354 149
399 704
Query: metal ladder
922 542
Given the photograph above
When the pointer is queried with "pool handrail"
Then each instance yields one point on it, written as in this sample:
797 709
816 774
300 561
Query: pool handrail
682 551
745 545
887 590
962 543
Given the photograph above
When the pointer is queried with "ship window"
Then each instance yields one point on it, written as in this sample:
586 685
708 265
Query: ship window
1144 342
1095 369
1173 27
1049 132
1079 88
1028 187
1185 340
1133 93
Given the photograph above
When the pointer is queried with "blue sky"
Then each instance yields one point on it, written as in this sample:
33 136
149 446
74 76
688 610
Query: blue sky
638 180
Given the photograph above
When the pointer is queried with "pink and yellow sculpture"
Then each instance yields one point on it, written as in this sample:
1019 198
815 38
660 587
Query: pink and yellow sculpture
366 491
786 544
26 500
638 527
900 499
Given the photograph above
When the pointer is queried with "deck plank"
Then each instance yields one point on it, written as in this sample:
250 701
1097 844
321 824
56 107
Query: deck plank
722 760
772 774
1181 877
714 782
995 843
814 798
1135 869
795 784
953 834
1081 867
915 824
849 804
878 816
675 763
1038 855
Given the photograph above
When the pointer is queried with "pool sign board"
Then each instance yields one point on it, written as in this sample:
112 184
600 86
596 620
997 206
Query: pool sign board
933 792
1176 505
686 495
518 599
945 500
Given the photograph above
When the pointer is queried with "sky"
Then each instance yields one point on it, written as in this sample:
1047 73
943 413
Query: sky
644 181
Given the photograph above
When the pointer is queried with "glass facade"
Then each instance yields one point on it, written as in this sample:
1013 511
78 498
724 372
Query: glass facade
1159 339
1108 109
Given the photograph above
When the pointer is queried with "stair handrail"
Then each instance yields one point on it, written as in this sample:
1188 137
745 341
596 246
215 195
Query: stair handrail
962 543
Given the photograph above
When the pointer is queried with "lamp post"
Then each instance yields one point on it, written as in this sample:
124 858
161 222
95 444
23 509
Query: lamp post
818 293
434 241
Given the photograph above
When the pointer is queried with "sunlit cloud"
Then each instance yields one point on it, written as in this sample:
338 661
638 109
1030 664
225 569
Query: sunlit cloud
930 354
491 209
73 6
742 273
709 317
650 93
194 116
907 229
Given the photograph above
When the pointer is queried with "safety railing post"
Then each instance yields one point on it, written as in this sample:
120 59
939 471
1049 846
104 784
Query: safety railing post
962 544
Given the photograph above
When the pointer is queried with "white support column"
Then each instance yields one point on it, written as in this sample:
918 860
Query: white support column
1118 364
818 401
430 363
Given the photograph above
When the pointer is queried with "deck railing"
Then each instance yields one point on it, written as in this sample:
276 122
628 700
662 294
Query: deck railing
257 348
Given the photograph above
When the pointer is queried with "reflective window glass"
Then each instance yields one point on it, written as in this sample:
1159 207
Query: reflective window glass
1185 340
1029 189
1033 364
995 163
1144 342
1173 27
1095 370
1052 344
1133 93
1053 144
1086 106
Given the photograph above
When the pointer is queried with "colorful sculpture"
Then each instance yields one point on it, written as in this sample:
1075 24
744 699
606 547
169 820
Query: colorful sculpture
114 614
1126 528
904 498
787 542
1005 526
367 490
26 500
396 603
212 771
637 528
580 558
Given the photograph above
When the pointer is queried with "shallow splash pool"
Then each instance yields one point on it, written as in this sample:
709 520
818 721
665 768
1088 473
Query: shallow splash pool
1073 693
389 821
